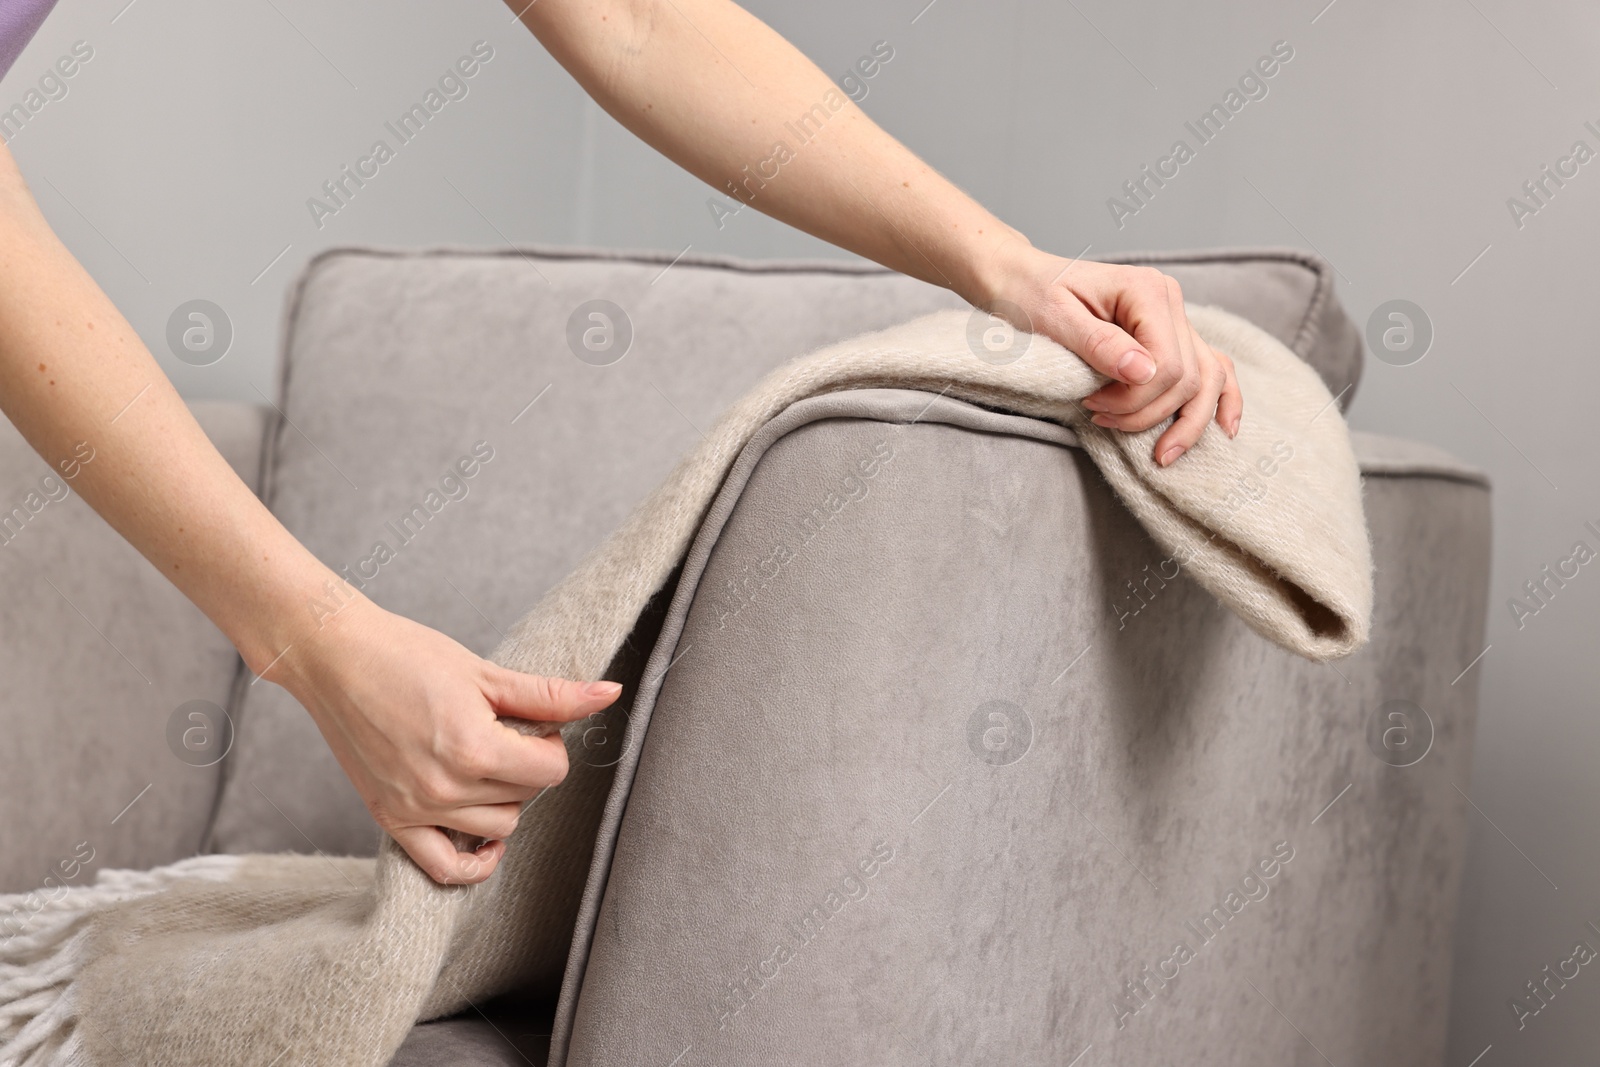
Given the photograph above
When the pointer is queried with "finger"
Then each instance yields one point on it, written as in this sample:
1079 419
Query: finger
1230 405
505 757
533 696
1154 312
1192 418
1151 413
468 788
492 822
431 850
1105 346
1152 308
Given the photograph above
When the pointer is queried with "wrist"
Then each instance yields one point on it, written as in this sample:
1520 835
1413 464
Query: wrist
994 265
294 614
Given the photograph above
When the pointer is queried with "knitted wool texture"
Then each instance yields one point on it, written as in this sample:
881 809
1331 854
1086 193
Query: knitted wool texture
322 961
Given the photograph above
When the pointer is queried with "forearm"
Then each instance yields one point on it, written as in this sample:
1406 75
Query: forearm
77 382
714 89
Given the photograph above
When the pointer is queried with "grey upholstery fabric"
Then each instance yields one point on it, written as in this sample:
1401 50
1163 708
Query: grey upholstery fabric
97 651
397 364
942 712
508 1032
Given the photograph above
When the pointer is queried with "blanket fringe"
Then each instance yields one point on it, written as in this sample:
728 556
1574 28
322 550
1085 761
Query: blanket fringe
39 961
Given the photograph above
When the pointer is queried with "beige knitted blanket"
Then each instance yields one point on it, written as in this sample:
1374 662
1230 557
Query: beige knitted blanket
307 960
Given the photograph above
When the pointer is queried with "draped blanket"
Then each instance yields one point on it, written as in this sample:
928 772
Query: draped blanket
312 960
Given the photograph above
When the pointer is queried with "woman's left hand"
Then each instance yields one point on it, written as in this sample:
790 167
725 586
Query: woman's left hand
1129 324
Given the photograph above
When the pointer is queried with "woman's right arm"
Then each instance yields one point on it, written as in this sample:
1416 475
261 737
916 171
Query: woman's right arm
410 714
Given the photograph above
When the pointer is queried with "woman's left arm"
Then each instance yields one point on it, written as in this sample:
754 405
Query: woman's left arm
725 97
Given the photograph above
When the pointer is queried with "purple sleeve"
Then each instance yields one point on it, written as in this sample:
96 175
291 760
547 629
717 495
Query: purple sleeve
19 21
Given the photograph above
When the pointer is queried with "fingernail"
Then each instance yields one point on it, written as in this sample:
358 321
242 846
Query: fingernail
1092 405
601 689
1170 455
1104 420
1136 367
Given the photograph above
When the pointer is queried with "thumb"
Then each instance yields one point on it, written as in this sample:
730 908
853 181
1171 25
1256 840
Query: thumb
533 696
1105 346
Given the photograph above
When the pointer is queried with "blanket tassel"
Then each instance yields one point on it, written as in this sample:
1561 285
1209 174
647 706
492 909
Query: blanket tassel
42 951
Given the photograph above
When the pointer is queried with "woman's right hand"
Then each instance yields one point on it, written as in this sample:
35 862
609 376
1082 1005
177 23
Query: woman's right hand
410 714
412 717
1130 324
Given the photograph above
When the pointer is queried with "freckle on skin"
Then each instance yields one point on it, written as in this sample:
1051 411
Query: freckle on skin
41 368
91 325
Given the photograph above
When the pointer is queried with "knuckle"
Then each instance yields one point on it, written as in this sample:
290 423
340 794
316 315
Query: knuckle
559 769
437 790
474 762
552 695
1100 341
547 692
384 816
450 745
553 689
1141 420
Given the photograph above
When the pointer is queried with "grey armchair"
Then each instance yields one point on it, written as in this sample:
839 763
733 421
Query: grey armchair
937 761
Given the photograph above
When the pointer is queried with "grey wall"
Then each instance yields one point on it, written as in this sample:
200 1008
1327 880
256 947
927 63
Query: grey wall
179 164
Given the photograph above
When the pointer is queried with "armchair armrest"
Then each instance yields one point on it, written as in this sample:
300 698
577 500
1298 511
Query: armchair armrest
937 761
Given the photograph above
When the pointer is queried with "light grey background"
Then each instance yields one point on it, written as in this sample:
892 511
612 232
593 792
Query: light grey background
179 164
